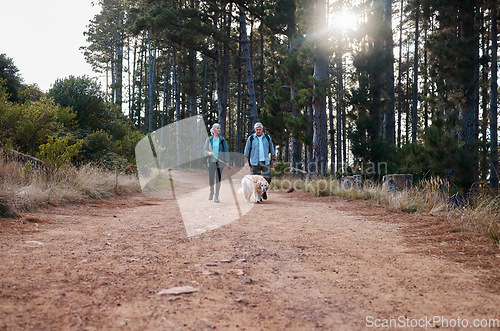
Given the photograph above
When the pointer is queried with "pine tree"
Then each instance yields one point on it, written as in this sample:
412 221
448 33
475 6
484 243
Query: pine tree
494 100
320 77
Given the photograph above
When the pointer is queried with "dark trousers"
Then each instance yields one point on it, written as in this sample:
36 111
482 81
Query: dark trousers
212 170
264 170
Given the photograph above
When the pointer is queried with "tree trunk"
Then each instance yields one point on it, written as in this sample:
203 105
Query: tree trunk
132 96
308 148
129 79
240 125
494 101
407 92
152 53
484 164
332 134
388 73
261 69
296 143
204 93
344 138
414 119
192 83
141 81
219 82
165 99
468 112
320 77
118 83
192 75
426 92
112 60
175 75
340 103
254 117
225 86
400 71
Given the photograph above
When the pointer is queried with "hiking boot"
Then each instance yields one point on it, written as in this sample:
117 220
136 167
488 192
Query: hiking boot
264 195
216 199
211 196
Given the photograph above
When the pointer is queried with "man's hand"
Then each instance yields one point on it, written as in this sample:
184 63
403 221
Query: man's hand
210 154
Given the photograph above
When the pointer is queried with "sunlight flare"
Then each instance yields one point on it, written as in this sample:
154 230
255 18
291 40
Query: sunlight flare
345 20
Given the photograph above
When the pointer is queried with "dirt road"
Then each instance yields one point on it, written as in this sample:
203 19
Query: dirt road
305 263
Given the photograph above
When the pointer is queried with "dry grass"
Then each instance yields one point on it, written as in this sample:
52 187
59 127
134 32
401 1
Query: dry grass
483 216
25 189
431 196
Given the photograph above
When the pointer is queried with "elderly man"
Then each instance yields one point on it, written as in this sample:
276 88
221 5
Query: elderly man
259 153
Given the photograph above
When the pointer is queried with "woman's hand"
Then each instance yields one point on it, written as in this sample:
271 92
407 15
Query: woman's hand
210 154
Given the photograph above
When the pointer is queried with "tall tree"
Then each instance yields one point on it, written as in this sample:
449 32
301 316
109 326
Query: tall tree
281 20
494 100
340 101
252 102
454 45
468 111
388 71
10 78
414 117
320 78
106 38
400 74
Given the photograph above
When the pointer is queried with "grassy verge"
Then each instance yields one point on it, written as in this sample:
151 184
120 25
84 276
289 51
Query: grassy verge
481 215
24 189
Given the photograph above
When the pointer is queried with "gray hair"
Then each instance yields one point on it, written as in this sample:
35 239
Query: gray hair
257 125
213 127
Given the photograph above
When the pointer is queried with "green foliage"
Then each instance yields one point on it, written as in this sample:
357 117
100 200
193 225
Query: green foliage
280 168
438 154
368 148
116 123
10 78
278 103
412 160
280 16
27 126
84 95
58 151
298 126
5 116
125 147
96 145
30 93
106 132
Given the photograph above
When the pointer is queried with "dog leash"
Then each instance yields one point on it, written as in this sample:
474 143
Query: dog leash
220 160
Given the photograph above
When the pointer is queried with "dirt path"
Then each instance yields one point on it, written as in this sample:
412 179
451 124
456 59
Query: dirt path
305 263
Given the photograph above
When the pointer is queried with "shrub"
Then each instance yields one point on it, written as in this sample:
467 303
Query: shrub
95 146
58 151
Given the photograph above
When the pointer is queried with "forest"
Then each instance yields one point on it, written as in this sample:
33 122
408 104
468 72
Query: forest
342 87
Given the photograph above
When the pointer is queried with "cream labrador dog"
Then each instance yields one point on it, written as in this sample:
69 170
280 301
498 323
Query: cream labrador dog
254 184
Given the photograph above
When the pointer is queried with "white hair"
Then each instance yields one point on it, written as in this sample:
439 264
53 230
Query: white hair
213 127
257 125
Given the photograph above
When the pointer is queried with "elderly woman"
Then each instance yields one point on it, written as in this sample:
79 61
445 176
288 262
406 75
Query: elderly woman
217 157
